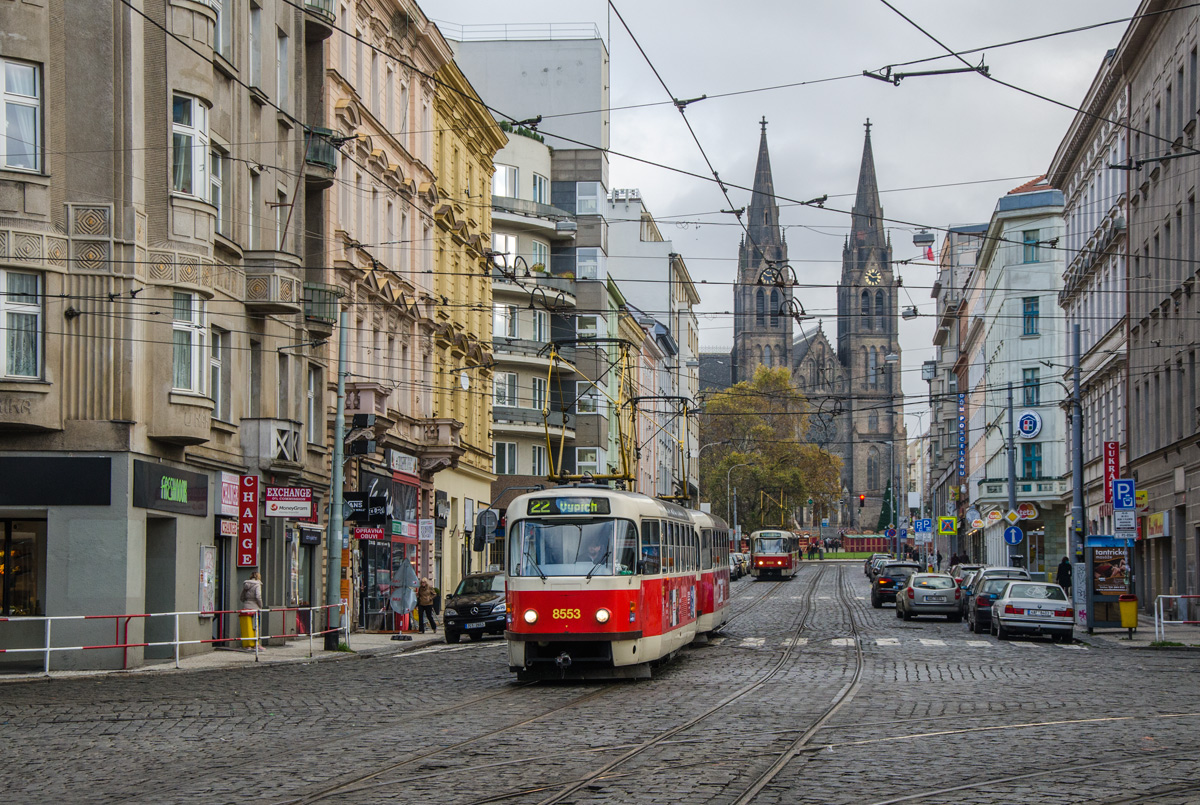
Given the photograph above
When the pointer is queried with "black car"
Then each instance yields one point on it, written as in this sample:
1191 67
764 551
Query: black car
979 607
476 608
891 577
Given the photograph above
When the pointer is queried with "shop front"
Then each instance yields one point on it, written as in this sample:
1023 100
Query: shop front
386 549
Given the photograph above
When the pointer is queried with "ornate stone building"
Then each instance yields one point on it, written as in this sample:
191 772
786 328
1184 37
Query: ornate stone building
854 389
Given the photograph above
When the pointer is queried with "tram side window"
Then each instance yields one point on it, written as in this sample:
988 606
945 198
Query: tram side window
627 550
670 547
651 550
694 535
706 549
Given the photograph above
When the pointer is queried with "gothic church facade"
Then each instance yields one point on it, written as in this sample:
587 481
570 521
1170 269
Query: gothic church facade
857 406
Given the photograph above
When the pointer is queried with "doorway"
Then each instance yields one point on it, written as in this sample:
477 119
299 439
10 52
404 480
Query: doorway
160 585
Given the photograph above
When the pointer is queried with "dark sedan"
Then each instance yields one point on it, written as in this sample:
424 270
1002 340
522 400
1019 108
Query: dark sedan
892 576
979 607
476 608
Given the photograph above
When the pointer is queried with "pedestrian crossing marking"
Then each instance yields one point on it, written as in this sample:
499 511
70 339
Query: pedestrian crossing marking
761 642
842 641
887 641
976 643
795 641
925 642
1077 648
754 641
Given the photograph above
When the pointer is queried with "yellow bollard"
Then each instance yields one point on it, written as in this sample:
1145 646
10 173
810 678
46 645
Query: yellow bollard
246 617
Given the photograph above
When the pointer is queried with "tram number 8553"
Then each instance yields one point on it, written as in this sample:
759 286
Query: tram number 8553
566 614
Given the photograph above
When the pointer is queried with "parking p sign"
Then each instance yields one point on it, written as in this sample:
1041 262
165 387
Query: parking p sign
923 525
1124 493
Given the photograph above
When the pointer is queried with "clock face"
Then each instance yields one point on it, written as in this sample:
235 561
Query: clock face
873 276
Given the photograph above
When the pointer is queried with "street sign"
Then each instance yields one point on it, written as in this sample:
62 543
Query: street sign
904 533
1124 519
947 526
924 525
1124 493
1013 535
973 514
1012 517
890 533
1029 424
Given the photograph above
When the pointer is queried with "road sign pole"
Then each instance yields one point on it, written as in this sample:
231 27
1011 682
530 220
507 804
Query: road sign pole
1012 472
333 538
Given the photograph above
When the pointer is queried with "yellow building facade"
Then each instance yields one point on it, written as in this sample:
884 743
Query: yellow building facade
466 140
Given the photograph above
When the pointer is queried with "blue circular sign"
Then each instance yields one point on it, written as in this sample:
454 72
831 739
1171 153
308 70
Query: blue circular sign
1013 535
890 533
1029 424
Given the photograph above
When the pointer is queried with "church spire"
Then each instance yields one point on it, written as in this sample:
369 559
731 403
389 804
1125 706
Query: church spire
763 214
866 229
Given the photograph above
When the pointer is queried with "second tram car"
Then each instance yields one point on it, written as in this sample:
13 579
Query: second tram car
774 554
714 570
603 583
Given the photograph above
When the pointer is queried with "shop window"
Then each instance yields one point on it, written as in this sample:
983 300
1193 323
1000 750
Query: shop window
22 567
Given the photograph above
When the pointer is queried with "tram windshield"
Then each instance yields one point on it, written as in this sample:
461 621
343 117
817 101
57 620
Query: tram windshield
769 545
572 548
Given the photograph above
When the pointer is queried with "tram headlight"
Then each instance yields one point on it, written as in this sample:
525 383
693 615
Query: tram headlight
602 615
530 616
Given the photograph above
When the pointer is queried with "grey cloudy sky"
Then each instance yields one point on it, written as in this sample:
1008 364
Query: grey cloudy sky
927 131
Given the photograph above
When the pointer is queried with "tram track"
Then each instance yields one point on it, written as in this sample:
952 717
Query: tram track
750 607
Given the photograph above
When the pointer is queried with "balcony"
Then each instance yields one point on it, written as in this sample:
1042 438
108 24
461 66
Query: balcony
551 221
529 349
273 445
321 307
367 398
271 287
511 415
321 157
319 18
441 444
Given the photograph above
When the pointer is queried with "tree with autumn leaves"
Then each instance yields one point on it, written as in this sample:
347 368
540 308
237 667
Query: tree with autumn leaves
763 423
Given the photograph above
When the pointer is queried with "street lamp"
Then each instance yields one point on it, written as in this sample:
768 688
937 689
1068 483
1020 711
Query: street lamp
892 359
727 495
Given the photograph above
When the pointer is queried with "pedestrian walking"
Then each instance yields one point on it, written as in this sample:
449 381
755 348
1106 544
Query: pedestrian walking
1064 574
939 560
425 605
954 559
250 602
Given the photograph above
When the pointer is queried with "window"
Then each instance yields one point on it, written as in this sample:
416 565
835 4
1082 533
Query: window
281 70
282 209
541 189
255 201
866 310
218 374
873 422
1031 384
541 326
538 396
504 321
760 308
316 405
20 324
504 385
389 100
283 408
587 326
216 182
873 368
21 147
1030 315
538 466
255 45
880 310
873 481
505 247
505 458
1031 461
1030 237
588 399
23 550
588 460
774 308
254 387
587 198
187 342
539 256
426 134
504 181
189 146
589 264
223 32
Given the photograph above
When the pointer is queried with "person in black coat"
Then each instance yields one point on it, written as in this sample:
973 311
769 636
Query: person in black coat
1064 574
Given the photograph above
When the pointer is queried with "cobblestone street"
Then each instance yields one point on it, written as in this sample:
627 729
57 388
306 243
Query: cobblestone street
920 710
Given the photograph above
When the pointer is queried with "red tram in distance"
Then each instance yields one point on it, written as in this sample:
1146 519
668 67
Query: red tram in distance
774 554
603 583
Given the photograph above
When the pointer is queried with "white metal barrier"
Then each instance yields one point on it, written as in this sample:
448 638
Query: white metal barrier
122 642
1160 613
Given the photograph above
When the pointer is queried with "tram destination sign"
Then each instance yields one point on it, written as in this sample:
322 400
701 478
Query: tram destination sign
568 505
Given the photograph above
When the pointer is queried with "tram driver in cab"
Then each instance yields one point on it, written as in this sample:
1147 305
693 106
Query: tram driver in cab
598 552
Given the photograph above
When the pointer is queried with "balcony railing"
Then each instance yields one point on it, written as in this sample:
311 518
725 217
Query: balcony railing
321 7
522 206
318 142
321 302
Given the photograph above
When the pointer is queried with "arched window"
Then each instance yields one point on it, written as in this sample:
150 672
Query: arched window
873 469
873 422
866 310
758 356
873 369
767 357
774 308
880 312
760 308
866 368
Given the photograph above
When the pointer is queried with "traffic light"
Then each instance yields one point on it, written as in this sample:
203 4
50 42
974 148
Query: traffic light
862 501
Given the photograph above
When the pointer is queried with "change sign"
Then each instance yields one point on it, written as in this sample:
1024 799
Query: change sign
247 550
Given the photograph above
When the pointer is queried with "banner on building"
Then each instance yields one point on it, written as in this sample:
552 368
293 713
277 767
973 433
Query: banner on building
247 551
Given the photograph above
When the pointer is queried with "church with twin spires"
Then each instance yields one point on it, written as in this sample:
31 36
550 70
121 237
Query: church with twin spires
857 407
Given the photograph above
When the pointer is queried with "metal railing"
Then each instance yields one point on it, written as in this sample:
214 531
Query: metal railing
1161 611
320 149
509 32
321 302
121 634
324 7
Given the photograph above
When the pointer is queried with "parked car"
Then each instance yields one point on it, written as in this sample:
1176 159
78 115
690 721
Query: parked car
475 608
878 562
743 562
870 560
1033 607
735 567
979 602
890 578
929 594
961 572
972 582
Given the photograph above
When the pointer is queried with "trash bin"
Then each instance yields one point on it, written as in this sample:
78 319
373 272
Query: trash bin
246 616
1129 615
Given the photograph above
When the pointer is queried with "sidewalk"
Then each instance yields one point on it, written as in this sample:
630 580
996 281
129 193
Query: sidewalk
361 644
1143 636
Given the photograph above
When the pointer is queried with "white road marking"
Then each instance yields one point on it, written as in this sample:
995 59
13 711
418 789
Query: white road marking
754 641
842 641
796 641
1076 648
887 641
431 651
976 643
926 642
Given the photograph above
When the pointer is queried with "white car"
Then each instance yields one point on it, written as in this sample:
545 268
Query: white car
1033 607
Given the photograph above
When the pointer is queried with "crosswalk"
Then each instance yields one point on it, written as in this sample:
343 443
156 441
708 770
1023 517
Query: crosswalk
891 642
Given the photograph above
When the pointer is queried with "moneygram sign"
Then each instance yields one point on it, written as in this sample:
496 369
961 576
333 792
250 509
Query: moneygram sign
284 501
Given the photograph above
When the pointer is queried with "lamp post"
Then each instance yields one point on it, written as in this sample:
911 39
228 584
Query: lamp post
727 495
892 360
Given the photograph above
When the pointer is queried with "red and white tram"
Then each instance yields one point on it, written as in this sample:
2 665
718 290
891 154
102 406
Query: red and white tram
774 554
714 571
603 583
